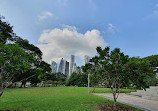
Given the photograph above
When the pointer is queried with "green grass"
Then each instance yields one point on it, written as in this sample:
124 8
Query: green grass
51 99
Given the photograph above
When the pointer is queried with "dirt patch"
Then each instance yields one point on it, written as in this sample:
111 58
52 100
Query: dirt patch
106 107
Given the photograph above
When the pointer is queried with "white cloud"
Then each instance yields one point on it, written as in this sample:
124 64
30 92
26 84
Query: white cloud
45 15
57 43
111 29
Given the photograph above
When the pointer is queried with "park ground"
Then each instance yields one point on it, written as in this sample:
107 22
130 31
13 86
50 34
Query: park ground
55 99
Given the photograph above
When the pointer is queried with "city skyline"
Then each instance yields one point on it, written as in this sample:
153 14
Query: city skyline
61 27
64 66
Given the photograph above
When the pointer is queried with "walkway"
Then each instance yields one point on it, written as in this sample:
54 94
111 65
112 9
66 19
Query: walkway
147 105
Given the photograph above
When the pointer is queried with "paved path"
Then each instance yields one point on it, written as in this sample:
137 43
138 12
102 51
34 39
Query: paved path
147 105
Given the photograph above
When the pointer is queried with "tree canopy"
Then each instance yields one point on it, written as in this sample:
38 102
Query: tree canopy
152 59
116 70
19 60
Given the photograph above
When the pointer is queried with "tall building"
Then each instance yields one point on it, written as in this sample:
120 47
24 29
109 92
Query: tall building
67 69
60 65
53 66
86 60
72 61
74 68
63 66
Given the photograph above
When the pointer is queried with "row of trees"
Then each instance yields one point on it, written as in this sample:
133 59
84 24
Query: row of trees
19 60
80 79
53 78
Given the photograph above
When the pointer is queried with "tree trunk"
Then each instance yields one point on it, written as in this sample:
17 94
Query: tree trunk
114 96
114 103
23 84
93 88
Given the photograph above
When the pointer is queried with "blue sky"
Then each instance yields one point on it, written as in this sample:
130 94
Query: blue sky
64 27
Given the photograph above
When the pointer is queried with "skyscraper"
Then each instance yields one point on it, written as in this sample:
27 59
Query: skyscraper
72 61
60 65
63 67
86 60
74 68
67 69
53 66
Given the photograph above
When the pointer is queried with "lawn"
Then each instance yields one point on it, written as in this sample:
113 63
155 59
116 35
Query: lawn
51 99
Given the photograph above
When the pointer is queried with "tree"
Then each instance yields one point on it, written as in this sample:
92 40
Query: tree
6 31
30 49
8 36
140 72
117 70
92 69
47 77
14 61
153 60
56 78
79 80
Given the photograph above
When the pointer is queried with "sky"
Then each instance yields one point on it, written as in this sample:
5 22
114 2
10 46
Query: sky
64 27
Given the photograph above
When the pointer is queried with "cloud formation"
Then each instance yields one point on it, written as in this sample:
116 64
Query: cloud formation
45 15
112 29
57 43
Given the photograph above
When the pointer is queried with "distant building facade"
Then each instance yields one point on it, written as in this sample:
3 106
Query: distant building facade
53 66
86 60
63 66
72 61
67 69
74 68
60 65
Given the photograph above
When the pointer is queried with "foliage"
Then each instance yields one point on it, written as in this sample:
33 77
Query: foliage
36 68
30 49
53 76
56 78
153 60
79 80
13 62
6 31
86 68
139 72
116 70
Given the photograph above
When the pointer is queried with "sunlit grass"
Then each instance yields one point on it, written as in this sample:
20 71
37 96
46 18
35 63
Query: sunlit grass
51 99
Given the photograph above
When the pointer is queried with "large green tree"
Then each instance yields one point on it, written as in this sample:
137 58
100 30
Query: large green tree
116 70
8 36
13 62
